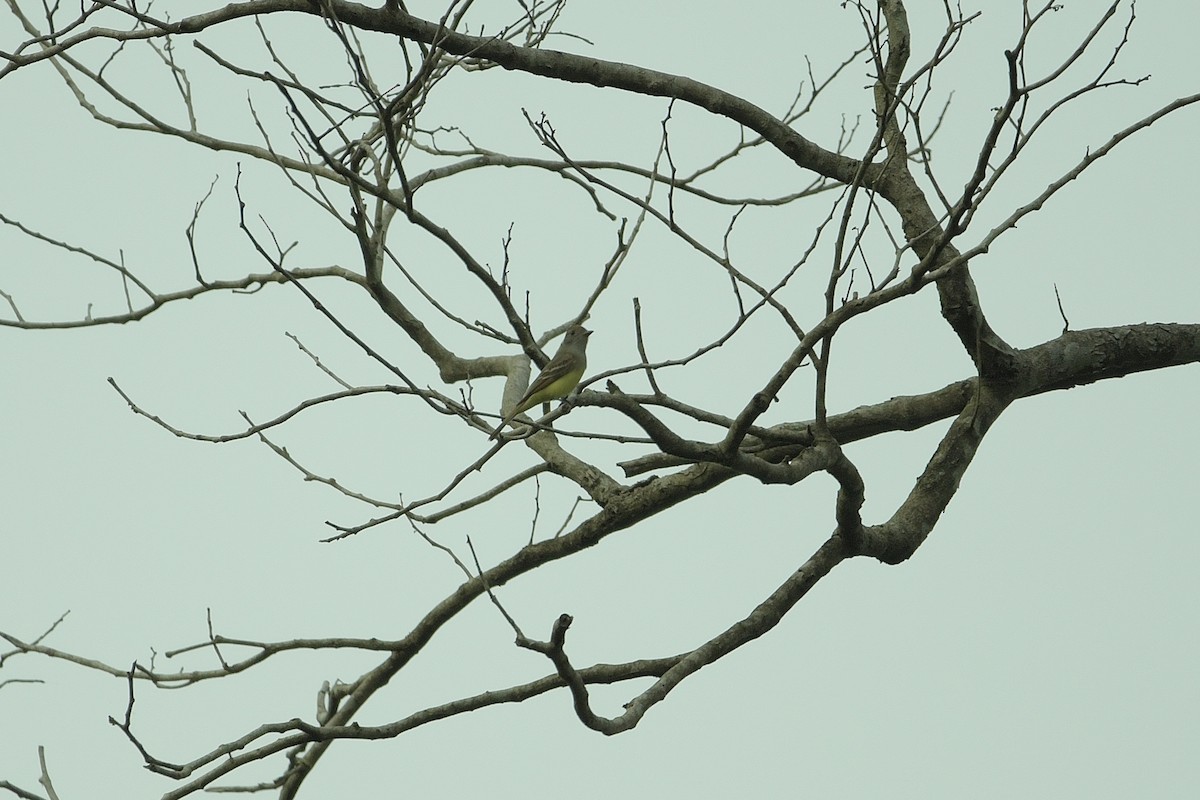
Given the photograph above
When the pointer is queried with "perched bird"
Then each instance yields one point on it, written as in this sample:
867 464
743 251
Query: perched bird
558 379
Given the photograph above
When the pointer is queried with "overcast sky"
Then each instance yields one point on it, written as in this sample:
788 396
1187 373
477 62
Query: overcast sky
1042 643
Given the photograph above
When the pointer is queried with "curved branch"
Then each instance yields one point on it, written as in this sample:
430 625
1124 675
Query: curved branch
765 616
544 62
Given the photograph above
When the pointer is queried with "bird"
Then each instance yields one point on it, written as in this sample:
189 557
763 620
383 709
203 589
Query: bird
558 379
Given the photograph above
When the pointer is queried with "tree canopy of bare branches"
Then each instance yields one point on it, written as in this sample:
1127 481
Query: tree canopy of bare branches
441 233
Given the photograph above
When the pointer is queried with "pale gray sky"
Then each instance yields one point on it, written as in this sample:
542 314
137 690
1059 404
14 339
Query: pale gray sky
1040 644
